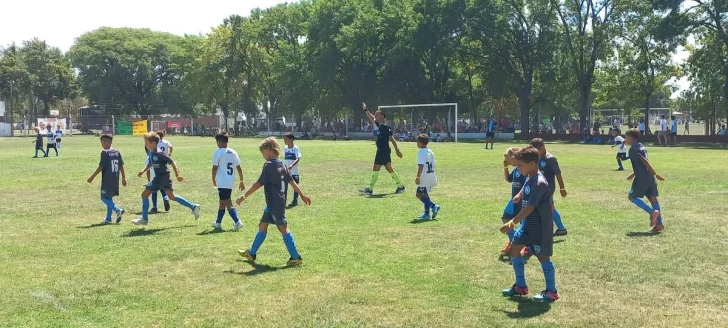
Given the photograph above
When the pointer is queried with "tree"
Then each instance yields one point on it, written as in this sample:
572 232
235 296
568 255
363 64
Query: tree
14 78
49 74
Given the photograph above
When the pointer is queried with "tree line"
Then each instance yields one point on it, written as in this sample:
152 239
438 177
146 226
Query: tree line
523 58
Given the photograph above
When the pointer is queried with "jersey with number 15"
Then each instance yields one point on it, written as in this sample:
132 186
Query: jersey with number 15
226 160
426 158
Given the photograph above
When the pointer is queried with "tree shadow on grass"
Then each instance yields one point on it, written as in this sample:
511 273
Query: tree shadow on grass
258 269
528 308
642 234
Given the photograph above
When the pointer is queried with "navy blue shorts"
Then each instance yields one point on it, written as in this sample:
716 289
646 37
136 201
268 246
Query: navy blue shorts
160 183
274 219
622 156
643 189
541 243
224 193
490 135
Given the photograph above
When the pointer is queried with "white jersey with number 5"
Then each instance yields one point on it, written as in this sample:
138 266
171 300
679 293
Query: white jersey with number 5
426 158
164 146
227 161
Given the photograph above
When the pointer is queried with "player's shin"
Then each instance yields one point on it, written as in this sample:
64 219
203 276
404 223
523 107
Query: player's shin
184 202
291 245
234 214
519 270
557 220
258 241
396 178
641 204
549 273
145 208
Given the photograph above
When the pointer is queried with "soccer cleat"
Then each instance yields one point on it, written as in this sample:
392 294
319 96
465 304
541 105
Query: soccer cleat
366 191
140 221
246 254
399 190
293 204
216 226
515 291
560 232
119 214
424 216
658 228
238 225
435 210
547 296
153 210
196 211
506 249
653 218
105 221
294 262
166 205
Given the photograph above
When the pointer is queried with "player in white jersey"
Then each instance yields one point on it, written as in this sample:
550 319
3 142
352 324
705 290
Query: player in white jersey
59 135
292 155
621 148
225 162
165 147
426 177
51 141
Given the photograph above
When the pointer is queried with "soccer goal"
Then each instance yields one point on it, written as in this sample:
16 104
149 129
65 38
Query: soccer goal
424 118
158 125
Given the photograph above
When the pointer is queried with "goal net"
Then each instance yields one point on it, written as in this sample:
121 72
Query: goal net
439 121
158 125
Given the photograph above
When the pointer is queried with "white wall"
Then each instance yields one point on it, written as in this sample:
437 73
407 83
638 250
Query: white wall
5 129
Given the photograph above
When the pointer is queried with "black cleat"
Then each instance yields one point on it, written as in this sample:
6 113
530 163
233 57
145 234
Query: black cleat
366 191
399 190
166 205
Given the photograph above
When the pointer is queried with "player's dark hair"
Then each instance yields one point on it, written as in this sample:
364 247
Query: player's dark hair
151 136
290 136
634 133
672 117
537 143
423 139
161 134
528 155
222 136
107 137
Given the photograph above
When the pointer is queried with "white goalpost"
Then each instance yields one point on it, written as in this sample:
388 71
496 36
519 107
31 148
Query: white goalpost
454 121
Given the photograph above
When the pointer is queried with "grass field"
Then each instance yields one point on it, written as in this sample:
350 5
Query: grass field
365 263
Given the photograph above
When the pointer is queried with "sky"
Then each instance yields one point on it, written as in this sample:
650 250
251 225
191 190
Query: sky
59 22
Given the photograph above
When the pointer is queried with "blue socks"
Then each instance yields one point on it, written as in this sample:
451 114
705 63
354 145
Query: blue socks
642 205
557 220
549 273
220 214
290 245
518 268
183 202
110 207
154 200
164 194
656 207
233 214
145 209
259 239
295 197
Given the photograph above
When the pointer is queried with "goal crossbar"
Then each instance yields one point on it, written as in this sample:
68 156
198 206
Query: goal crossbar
455 121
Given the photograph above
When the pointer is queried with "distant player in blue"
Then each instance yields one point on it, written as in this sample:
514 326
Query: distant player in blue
39 143
491 126
673 131
158 161
643 181
516 179
110 165
274 179
536 232
621 148
551 170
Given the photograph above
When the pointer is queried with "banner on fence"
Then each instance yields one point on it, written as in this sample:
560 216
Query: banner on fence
139 127
53 122
123 128
174 124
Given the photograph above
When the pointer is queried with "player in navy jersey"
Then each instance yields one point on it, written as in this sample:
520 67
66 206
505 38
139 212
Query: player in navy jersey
384 153
158 161
516 179
38 143
490 128
536 231
643 181
551 170
274 179
110 166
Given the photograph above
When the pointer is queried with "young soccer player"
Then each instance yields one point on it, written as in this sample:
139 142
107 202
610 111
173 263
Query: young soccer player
292 157
644 183
110 165
673 130
551 170
165 147
274 180
490 127
535 233
51 141
516 179
384 153
158 161
224 161
426 177
59 135
621 149
39 143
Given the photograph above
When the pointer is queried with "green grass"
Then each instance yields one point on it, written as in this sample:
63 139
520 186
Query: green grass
365 263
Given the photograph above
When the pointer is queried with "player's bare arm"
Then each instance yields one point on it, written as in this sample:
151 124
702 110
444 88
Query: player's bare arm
649 167
561 185
369 114
123 175
214 175
420 168
93 176
506 174
176 172
518 197
250 191
294 163
170 151
241 186
295 186
630 176
508 226
146 168
396 149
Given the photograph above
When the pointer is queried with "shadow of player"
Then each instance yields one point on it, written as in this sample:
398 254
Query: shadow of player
212 232
258 269
418 221
148 232
642 234
528 308
378 196
95 225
